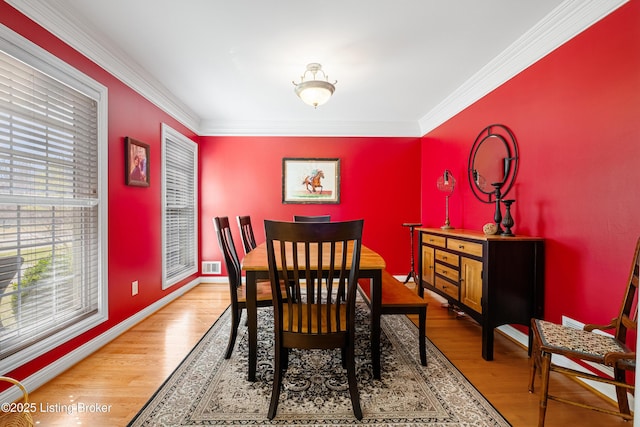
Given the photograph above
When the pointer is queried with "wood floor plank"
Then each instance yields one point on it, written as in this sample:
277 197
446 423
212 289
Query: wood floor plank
125 373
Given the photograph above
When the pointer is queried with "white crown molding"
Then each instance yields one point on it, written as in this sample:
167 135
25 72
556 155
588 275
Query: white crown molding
562 24
50 15
310 128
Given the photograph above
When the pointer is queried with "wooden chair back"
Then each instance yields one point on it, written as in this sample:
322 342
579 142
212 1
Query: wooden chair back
627 320
237 290
232 262
246 231
301 254
312 315
317 218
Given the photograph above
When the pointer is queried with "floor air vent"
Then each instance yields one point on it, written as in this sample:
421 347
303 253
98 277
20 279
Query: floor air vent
211 267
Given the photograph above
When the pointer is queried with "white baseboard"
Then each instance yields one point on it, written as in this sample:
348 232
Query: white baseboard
215 279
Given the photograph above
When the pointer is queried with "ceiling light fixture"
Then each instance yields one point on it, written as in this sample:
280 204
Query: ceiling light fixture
314 92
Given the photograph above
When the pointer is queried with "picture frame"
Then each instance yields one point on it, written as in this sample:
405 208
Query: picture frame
310 180
136 163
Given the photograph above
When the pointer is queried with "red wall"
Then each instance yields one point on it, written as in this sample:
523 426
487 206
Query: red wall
379 181
576 116
134 212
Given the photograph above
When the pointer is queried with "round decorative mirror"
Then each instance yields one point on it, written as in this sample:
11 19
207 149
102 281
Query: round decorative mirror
493 163
493 166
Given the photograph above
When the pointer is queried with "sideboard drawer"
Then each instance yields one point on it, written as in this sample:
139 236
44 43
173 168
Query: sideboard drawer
448 272
447 287
447 257
470 248
434 240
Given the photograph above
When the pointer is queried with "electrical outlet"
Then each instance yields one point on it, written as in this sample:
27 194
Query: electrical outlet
134 288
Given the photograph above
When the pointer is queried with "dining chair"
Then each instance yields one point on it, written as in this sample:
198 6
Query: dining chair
17 414
9 266
586 346
320 318
237 289
246 231
317 218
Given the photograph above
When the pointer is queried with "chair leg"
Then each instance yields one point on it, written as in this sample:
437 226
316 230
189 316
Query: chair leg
277 382
532 374
534 360
235 321
544 387
353 383
535 356
422 340
621 392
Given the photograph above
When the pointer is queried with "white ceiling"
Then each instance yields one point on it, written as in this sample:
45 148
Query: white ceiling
225 67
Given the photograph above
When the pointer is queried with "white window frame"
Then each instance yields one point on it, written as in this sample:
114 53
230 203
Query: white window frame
36 57
170 135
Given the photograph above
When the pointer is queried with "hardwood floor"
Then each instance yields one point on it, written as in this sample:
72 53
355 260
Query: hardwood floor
125 373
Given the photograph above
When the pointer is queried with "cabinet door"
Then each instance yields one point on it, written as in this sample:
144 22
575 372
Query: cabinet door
471 283
428 265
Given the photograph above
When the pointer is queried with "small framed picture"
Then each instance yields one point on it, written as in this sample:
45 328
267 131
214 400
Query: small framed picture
137 162
311 181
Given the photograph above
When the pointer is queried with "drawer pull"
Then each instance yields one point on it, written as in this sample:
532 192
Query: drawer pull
460 246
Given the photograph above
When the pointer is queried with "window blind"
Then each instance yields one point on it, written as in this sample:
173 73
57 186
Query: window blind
49 200
180 206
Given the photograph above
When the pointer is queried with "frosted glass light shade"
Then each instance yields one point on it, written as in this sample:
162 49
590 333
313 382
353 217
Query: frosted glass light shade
315 92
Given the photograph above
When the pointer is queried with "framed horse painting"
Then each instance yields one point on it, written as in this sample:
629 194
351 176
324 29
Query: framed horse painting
311 181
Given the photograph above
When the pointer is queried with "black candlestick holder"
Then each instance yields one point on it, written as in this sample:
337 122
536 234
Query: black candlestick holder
507 221
497 216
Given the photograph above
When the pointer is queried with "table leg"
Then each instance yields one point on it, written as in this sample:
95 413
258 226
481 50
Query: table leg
376 313
252 323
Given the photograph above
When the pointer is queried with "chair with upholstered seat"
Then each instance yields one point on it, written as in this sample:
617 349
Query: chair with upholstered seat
316 218
246 231
550 339
17 414
322 317
237 289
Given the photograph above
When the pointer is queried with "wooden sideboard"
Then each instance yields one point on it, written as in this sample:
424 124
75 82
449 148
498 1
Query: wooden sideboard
494 279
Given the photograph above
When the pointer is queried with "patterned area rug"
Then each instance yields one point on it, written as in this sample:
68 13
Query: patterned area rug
207 390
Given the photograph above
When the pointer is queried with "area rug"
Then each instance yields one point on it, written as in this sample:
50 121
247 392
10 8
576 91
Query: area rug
206 389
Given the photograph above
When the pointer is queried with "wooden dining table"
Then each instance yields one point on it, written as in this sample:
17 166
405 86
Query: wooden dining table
256 268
